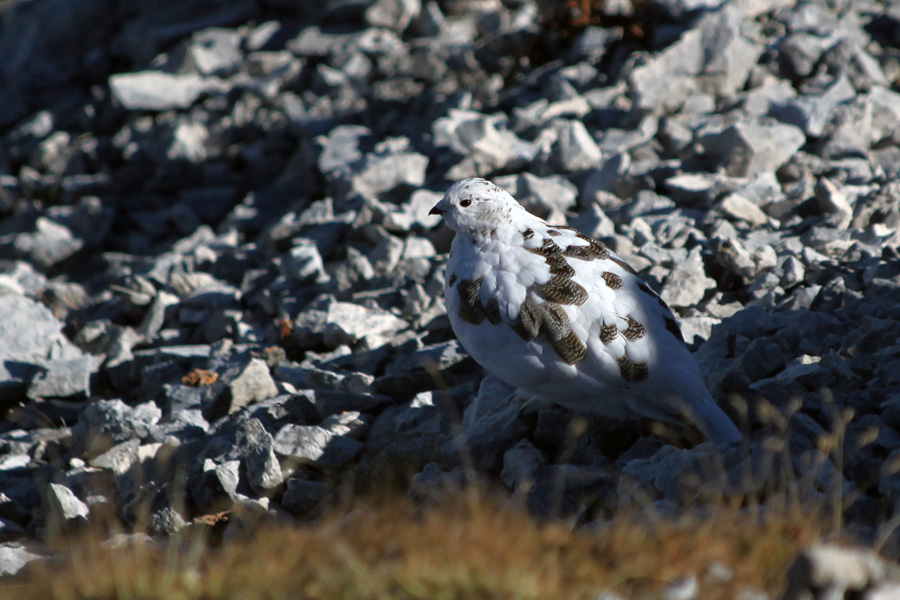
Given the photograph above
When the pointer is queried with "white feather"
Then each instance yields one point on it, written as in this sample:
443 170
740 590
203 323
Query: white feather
644 369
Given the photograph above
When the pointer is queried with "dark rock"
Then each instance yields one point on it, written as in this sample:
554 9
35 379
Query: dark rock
331 402
520 463
405 438
573 491
105 423
303 497
492 427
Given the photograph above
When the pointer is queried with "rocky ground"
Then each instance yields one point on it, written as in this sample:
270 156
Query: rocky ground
220 286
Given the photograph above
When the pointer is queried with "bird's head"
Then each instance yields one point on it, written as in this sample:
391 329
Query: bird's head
477 207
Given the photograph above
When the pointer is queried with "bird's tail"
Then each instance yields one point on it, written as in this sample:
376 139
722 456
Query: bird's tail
714 423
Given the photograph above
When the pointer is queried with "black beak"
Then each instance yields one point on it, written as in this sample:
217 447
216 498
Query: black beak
435 211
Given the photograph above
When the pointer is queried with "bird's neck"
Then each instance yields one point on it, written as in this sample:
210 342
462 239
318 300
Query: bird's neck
489 234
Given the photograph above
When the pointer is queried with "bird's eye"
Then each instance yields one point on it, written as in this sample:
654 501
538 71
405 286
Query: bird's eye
465 202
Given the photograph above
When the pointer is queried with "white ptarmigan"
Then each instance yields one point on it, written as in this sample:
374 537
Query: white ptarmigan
562 317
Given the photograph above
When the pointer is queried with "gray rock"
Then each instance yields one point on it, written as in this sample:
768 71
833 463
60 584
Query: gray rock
313 41
242 380
21 279
155 318
258 448
716 49
542 196
303 263
414 212
15 555
119 459
611 176
698 188
812 113
697 330
885 112
736 207
389 166
215 51
63 379
14 461
680 10
166 521
593 42
792 272
435 482
253 196
215 297
65 505
49 244
594 222
190 141
750 147
575 149
493 395
440 356
105 423
833 202
687 283
801 51
309 378
883 591
732 255
483 140
157 91
851 131
216 484
348 323
341 148
393 14
759 100
487 438
303 444
681 476
351 424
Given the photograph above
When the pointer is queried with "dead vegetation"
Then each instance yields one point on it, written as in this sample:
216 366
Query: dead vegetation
468 546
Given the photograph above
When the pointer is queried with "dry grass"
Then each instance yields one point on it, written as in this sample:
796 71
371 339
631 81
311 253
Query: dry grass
470 547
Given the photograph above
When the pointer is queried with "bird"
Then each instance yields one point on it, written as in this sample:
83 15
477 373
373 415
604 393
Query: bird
565 319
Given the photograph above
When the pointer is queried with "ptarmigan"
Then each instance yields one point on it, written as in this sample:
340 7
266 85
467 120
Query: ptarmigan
562 317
